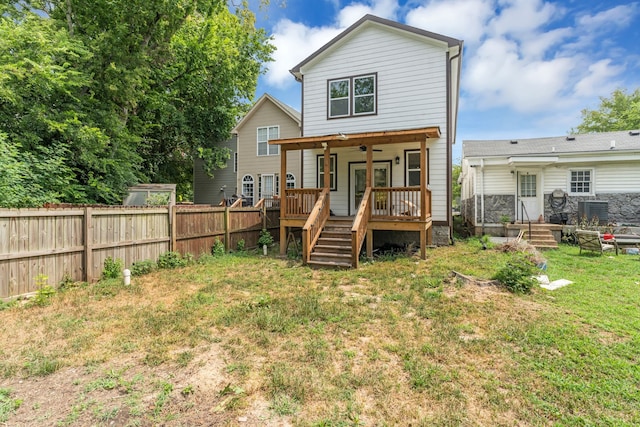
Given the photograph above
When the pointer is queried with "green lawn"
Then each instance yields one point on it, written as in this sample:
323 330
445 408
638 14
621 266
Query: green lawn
396 342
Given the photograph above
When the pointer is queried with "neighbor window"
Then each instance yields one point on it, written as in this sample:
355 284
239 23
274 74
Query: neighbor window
247 188
291 181
332 172
352 96
264 135
580 182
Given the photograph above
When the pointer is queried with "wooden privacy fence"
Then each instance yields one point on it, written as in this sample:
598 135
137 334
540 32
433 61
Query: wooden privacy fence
73 242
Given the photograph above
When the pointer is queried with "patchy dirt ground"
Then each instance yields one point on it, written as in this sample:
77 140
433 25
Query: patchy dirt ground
125 395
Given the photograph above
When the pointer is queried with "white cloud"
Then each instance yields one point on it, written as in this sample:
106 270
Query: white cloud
600 78
462 19
520 55
522 17
498 76
295 41
382 8
611 19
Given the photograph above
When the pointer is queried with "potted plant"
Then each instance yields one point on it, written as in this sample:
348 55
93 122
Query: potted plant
265 239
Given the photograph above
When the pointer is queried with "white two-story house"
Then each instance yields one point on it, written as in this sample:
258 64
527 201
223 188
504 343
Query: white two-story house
379 112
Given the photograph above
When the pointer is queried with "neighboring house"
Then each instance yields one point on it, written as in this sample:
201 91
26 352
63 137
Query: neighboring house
212 191
379 107
253 171
259 173
562 179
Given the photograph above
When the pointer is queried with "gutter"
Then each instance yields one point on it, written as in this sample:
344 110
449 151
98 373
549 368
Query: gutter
450 139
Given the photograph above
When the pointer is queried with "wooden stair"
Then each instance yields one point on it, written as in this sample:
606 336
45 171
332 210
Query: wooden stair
541 237
333 248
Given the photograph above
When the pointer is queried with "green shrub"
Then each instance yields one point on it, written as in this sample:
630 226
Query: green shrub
172 260
218 248
112 268
517 275
265 238
143 267
44 291
240 246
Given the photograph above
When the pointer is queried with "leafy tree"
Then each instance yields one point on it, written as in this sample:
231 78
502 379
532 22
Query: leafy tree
456 187
619 112
124 91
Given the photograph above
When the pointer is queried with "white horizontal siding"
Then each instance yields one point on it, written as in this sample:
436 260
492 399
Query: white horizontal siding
339 198
411 83
498 181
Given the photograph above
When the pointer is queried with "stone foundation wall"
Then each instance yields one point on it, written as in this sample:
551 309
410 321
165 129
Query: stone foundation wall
624 209
495 206
466 209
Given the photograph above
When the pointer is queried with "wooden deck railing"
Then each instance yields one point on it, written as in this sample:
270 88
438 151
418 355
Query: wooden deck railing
268 202
315 223
300 201
398 203
359 229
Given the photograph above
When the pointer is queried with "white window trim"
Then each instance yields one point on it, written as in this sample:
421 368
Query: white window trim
269 147
592 174
291 179
248 179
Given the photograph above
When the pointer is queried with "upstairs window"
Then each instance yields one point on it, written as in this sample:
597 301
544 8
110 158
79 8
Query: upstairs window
264 135
352 96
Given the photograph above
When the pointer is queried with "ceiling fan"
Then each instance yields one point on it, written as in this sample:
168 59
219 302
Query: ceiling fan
364 148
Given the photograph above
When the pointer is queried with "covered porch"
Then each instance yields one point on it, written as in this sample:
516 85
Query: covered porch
392 208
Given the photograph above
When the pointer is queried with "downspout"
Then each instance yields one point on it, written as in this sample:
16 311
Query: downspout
450 140
482 194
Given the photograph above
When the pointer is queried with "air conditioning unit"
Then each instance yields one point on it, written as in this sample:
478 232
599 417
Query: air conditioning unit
594 208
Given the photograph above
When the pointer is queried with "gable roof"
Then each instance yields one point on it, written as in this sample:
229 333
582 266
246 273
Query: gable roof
571 144
289 111
372 20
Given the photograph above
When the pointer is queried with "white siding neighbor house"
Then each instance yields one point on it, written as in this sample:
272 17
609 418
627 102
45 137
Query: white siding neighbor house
560 180
379 108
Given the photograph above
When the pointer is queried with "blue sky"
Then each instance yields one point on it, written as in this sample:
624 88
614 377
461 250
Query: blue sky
529 66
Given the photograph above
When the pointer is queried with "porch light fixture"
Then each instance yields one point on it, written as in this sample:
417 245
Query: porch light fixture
324 145
397 160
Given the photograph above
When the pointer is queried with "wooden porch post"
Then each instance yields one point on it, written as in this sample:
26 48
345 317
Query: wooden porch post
423 197
283 200
327 172
369 180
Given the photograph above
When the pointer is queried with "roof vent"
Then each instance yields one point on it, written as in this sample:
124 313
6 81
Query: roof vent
612 144
513 141
634 132
571 138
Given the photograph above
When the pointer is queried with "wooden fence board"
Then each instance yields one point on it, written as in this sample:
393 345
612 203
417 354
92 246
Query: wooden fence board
74 242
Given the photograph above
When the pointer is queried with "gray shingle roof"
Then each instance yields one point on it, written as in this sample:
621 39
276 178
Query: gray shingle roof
578 143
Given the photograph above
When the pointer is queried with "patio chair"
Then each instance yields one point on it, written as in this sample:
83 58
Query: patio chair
589 240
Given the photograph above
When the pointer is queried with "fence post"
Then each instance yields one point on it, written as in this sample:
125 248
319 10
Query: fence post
88 246
172 226
264 216
227 228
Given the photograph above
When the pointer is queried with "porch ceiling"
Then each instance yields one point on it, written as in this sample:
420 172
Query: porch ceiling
357 139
